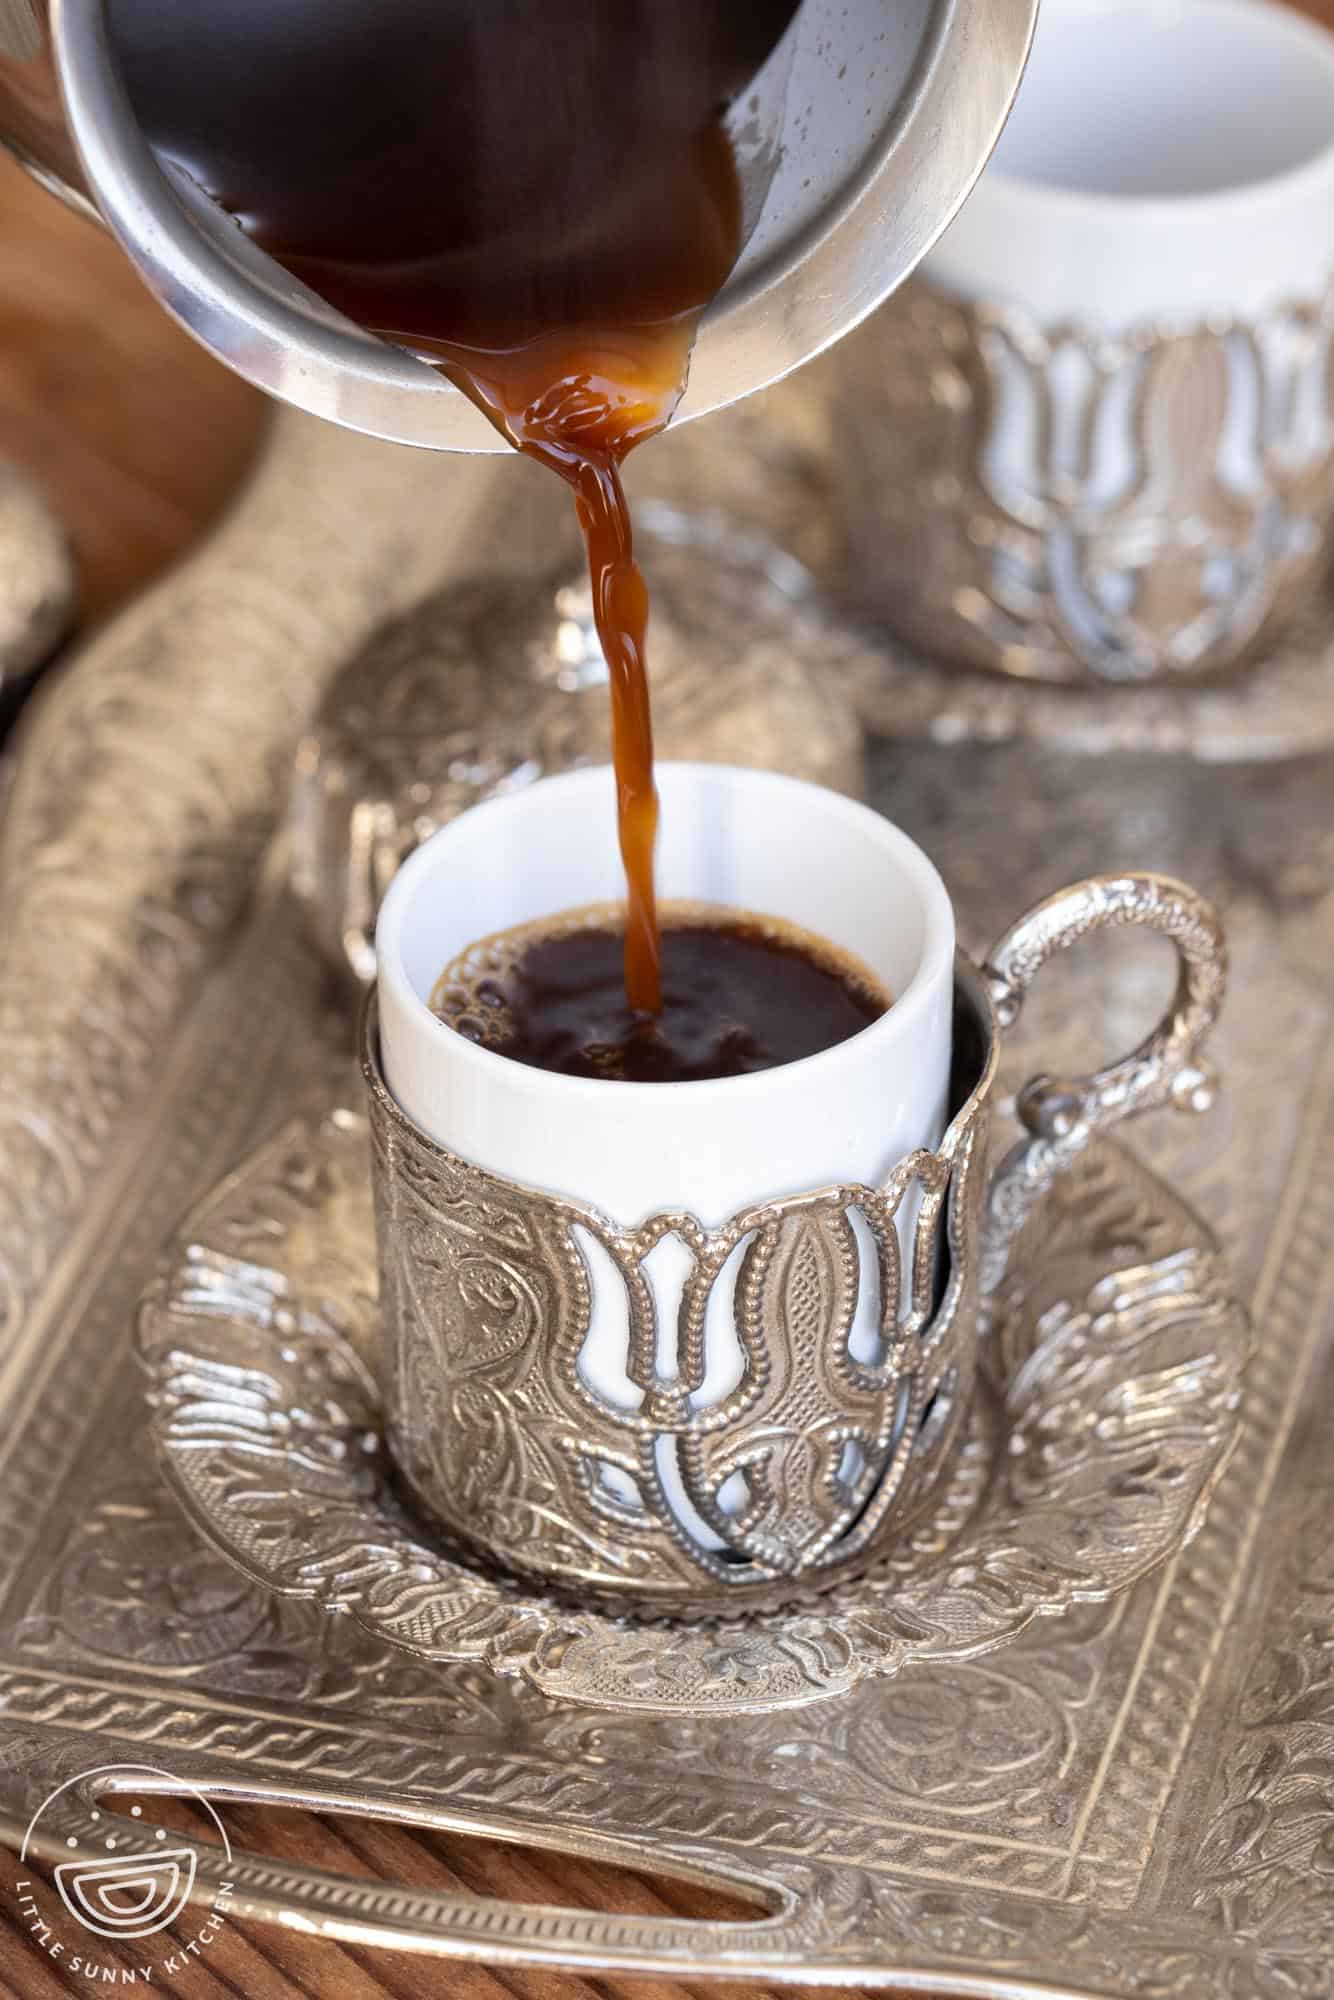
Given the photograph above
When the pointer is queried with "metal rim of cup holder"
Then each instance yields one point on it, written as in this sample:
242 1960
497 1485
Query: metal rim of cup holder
456 1383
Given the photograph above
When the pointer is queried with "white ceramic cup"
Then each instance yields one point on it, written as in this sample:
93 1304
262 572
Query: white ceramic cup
1164 159
1095 441
750 840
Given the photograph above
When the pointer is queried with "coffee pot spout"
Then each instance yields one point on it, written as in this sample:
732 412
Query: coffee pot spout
856 142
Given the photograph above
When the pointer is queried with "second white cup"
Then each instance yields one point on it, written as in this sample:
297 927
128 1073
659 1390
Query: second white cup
1094 441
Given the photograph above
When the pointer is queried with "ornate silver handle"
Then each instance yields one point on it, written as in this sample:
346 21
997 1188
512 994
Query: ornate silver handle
1164 1069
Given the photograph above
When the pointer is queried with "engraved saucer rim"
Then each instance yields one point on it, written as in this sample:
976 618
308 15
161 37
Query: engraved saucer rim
214 1436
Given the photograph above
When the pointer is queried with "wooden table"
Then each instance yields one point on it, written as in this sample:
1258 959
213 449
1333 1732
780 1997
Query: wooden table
264 1962
136 435
138 438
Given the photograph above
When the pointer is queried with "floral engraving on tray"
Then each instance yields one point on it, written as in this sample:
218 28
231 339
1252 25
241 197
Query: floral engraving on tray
1264 1867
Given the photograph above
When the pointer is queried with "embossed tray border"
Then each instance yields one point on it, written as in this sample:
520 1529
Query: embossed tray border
873 1926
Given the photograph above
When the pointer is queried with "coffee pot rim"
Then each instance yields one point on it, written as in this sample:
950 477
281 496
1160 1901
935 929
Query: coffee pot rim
798 294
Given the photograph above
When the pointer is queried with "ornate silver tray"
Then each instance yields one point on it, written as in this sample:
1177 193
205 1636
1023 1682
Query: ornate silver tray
1133 1798
1116 1355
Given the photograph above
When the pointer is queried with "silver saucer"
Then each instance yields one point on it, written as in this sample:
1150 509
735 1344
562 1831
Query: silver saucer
1281 707
1115 1359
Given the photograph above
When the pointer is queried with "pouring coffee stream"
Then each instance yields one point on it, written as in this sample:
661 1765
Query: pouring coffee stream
422 148
538 196
419 153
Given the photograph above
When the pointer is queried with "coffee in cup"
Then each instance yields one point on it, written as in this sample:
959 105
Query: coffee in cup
740 993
